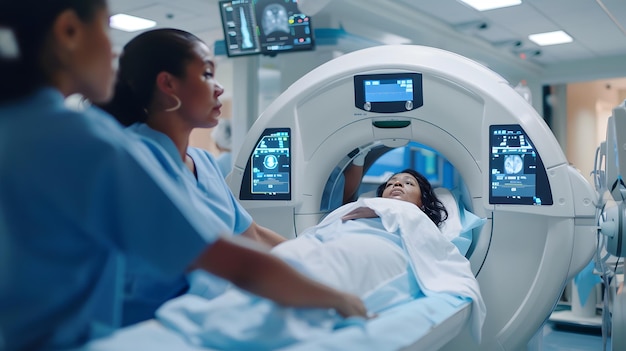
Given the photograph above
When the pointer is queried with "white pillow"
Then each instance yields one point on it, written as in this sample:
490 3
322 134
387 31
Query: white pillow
451 227
459 226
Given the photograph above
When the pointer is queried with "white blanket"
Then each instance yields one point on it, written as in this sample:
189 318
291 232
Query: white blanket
438 264
369 265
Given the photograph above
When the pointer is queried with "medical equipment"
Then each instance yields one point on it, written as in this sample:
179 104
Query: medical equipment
541 223
609 170
541 211
266 27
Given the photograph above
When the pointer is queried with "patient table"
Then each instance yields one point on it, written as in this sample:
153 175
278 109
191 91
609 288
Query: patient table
426 322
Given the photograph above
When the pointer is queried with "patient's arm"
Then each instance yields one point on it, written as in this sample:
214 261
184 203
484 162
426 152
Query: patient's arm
263 235
261 273
353 175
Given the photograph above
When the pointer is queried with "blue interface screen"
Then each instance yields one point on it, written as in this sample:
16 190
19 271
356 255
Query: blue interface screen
271 164
388 90
513 165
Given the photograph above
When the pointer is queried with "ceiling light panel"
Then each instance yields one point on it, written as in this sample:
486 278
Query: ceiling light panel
550 38
130 23
486 5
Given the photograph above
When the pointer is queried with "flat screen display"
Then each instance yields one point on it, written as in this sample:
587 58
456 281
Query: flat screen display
265 27
388 93
268 173
516 170
388 90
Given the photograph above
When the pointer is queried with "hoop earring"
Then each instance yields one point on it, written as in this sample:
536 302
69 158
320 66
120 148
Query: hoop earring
178 104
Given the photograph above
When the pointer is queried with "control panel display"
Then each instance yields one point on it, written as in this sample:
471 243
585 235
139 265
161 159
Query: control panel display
388 93
268 173
517 173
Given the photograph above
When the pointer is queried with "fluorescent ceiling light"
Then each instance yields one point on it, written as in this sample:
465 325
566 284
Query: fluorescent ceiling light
550 38
130 23
485 5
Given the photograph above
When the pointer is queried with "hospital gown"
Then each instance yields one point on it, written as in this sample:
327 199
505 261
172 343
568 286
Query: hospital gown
78 196
146 291
387 261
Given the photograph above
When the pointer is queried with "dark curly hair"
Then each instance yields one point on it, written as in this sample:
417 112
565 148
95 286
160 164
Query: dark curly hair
433 207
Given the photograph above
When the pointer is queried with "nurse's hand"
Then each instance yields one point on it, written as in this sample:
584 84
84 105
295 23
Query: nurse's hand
360 212
351 306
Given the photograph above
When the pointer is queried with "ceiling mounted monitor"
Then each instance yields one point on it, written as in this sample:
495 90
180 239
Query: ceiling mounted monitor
265 27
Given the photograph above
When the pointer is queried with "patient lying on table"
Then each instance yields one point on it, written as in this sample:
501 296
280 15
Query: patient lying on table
387 250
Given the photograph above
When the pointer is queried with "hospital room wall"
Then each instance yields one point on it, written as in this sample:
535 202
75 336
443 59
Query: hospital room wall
588 106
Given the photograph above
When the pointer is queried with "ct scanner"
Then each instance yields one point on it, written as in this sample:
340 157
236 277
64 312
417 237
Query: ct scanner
541 212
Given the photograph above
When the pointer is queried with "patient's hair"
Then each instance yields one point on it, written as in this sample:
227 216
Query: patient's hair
433 207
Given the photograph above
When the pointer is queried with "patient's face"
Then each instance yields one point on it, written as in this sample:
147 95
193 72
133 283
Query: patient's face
403 186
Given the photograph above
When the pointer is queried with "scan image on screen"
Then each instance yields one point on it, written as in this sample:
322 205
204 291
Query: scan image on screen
517 173
239 23
268 173
282 26
274 19
265 27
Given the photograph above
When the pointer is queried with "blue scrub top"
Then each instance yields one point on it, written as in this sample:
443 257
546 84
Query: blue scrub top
210 191
145 291
224 162
79 195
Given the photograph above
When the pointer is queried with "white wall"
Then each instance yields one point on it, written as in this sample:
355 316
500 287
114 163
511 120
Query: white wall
589 104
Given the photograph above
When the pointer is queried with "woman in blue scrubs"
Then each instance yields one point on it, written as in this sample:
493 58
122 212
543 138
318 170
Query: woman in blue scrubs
79 195
166 87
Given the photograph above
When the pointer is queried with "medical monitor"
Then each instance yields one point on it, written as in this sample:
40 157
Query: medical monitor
516 170
388 93
265 27
268 172
616 153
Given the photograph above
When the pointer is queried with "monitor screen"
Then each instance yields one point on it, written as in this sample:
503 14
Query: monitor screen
268 173
388 93
517 173
388 90
265 27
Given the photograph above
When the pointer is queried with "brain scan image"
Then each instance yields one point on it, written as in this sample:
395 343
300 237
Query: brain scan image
275 19
270 162
513 164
